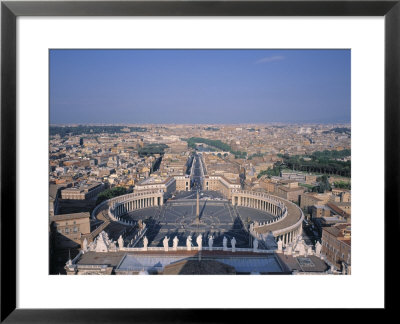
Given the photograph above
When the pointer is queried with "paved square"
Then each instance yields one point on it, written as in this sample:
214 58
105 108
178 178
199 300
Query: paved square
217 218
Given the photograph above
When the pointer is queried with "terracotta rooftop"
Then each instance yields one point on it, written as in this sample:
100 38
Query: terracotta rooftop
338 210
69 216
291 189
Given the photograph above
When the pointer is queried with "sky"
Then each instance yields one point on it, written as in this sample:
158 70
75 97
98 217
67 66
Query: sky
199 86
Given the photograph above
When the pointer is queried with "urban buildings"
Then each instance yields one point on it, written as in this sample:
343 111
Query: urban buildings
250 198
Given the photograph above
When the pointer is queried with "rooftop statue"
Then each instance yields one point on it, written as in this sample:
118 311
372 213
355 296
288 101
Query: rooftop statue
210 242
145 243
255 245
175 243
233 243
199 241
318 247
225 243
120 242
165 243
102 242
85 245
280 245
189 243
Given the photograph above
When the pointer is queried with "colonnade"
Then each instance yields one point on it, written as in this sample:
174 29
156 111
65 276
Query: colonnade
290 236
259 201
139 200
274 206
139 203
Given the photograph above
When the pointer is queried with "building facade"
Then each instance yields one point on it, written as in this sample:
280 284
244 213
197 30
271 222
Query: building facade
67 229
182 183
82 192
167 185
336 245
221 184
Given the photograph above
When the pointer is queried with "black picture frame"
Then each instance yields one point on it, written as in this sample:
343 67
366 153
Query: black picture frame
10 10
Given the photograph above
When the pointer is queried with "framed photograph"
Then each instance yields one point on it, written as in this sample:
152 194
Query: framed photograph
217 147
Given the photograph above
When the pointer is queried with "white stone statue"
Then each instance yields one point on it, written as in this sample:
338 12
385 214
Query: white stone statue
84 245
113 246
189 243
309 250
288 250
255 245
120 242
318 247
175 243
225 244
199 241
165 243
145 243
92 246
233 243
102 242
280 245
210 242
301 248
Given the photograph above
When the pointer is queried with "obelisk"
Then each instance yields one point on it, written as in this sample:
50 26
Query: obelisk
197 209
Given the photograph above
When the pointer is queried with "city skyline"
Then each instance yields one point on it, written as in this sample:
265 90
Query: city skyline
199 86
275 198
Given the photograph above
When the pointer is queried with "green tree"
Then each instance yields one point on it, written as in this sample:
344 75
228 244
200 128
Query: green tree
110 193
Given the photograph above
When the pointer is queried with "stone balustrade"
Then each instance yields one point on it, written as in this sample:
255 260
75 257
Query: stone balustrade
194 248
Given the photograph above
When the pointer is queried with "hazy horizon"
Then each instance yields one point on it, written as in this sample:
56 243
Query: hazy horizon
199 86
203 124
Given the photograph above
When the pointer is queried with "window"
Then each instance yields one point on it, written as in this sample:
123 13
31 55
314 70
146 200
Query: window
66 230
75 229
